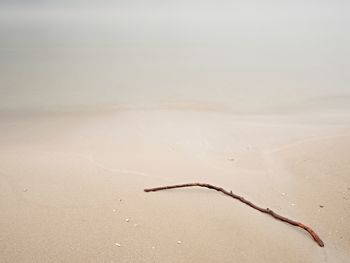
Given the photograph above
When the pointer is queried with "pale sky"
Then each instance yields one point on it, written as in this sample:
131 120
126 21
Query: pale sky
110 52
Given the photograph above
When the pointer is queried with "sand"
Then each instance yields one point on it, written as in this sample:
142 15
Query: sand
71 185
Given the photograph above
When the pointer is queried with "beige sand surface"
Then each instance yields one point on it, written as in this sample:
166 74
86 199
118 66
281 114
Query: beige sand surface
70 180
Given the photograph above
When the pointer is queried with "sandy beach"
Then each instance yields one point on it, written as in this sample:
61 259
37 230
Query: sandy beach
102 99
71 185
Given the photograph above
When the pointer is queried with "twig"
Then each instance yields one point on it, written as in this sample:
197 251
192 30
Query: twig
240 198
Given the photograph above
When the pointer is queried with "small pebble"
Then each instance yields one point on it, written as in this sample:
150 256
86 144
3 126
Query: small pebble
179 242
127 220
292 204
283 194
114 210
321 206
153 247
118 245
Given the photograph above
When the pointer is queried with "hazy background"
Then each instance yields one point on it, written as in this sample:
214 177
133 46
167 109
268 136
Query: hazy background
249 55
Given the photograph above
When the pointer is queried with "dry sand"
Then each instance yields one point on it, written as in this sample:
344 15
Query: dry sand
71 185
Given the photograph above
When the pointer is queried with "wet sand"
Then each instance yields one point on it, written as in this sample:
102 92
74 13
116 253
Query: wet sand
71 185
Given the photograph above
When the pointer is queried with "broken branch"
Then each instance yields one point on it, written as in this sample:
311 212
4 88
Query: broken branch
240 198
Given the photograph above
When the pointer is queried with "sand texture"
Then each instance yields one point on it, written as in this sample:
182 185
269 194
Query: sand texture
71 185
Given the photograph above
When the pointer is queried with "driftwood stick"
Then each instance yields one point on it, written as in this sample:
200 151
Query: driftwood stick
240 198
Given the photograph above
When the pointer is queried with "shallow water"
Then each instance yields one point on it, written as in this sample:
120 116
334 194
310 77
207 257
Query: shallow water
248 56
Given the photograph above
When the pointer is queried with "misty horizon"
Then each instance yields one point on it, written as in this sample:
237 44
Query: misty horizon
249 54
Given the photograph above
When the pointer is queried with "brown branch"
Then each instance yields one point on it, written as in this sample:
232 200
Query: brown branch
240 198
